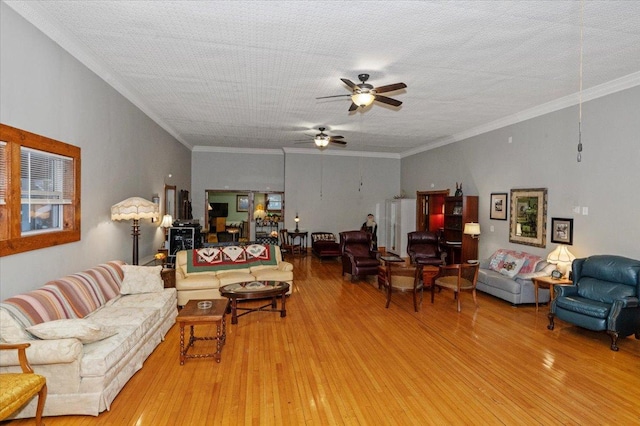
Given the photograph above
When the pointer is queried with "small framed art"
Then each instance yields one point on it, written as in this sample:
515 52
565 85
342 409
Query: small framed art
242 203
562 230
499 202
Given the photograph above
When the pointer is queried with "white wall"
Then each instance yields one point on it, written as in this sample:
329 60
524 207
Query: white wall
543 154
124 153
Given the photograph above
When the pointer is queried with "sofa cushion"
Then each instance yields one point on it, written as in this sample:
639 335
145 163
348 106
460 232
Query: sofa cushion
499 257
232 277
84 330
272 275
511 266
497 280
198 282
141 279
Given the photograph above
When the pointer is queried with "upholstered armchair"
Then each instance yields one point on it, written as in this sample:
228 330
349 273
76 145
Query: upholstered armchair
424 246
604 296
357 256
19 388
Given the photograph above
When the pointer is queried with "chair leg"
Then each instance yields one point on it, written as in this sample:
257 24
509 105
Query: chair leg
475 299
614 340
458 299
551 324
42 397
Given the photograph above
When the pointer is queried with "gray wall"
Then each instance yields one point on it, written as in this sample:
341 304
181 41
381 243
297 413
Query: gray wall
322 187
543 154
124 153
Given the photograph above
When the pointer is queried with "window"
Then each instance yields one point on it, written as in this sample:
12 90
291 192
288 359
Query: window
39 191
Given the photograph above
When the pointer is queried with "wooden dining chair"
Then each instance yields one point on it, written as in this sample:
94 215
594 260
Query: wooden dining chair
458 277
19 388
287 245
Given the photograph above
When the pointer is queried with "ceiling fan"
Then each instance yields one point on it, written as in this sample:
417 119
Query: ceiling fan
364 94
322 139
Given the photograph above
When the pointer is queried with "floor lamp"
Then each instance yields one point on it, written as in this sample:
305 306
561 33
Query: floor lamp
135 208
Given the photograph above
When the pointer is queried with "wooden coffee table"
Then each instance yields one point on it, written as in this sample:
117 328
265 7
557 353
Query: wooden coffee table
192 315
256 290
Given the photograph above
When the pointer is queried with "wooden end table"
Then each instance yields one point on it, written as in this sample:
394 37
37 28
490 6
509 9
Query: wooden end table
192 315
256 290
548 282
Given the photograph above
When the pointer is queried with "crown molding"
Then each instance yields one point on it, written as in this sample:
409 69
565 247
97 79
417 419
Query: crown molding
595 92
233 150
33 13
315 151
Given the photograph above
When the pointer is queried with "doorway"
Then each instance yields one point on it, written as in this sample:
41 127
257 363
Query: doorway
430 210
243 216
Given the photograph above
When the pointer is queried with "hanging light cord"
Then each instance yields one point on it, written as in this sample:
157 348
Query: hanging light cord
580 89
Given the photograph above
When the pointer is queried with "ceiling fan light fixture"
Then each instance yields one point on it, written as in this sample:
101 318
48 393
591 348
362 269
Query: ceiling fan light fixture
363 99
321 141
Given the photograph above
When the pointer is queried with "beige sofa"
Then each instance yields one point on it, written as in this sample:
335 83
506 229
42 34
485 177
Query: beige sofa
201 272
100 339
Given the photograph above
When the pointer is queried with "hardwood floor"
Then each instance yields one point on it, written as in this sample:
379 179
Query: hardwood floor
340 357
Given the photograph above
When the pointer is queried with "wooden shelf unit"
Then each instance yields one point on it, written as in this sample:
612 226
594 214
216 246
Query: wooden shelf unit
457 212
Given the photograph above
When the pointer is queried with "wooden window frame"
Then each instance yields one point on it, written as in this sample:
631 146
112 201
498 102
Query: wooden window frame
11 239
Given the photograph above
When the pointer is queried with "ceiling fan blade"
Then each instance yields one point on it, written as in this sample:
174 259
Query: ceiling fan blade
386 100
353 107
337 142
334 96
303 142
337 137
390 88
349 83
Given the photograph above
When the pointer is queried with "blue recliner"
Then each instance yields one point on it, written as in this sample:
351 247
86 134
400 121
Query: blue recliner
604 296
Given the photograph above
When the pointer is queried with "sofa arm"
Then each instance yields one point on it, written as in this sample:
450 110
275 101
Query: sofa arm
41 352
285 266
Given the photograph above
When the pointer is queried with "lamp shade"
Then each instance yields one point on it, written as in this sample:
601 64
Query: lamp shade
134 208
560 255
362 99
167 221
472 228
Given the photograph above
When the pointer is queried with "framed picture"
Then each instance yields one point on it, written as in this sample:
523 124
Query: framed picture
274 202
499 202
528 219
242 203
562 231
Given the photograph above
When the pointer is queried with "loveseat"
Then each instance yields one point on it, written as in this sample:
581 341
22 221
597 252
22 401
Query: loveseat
91 338
324 244
507 274
201 272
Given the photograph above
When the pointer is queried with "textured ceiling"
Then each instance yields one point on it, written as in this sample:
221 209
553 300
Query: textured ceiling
245 74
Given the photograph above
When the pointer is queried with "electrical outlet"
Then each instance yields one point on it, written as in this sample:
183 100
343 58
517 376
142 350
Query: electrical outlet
491 228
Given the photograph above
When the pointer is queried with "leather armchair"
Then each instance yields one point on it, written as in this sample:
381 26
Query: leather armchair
423 247
604 296
357 256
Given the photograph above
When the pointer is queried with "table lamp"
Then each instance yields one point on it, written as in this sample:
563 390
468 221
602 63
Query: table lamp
297 220
562 258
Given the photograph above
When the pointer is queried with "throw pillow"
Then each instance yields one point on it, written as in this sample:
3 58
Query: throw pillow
84 330
497 259
511 266
141 279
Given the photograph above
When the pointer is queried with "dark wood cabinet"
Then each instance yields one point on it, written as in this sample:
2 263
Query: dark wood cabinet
457 212
169 277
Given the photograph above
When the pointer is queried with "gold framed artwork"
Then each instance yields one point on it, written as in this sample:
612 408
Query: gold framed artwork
528 218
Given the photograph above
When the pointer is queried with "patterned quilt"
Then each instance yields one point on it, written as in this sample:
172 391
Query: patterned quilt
502 256
230 257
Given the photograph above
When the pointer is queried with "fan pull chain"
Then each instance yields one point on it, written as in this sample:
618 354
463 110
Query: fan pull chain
579 158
